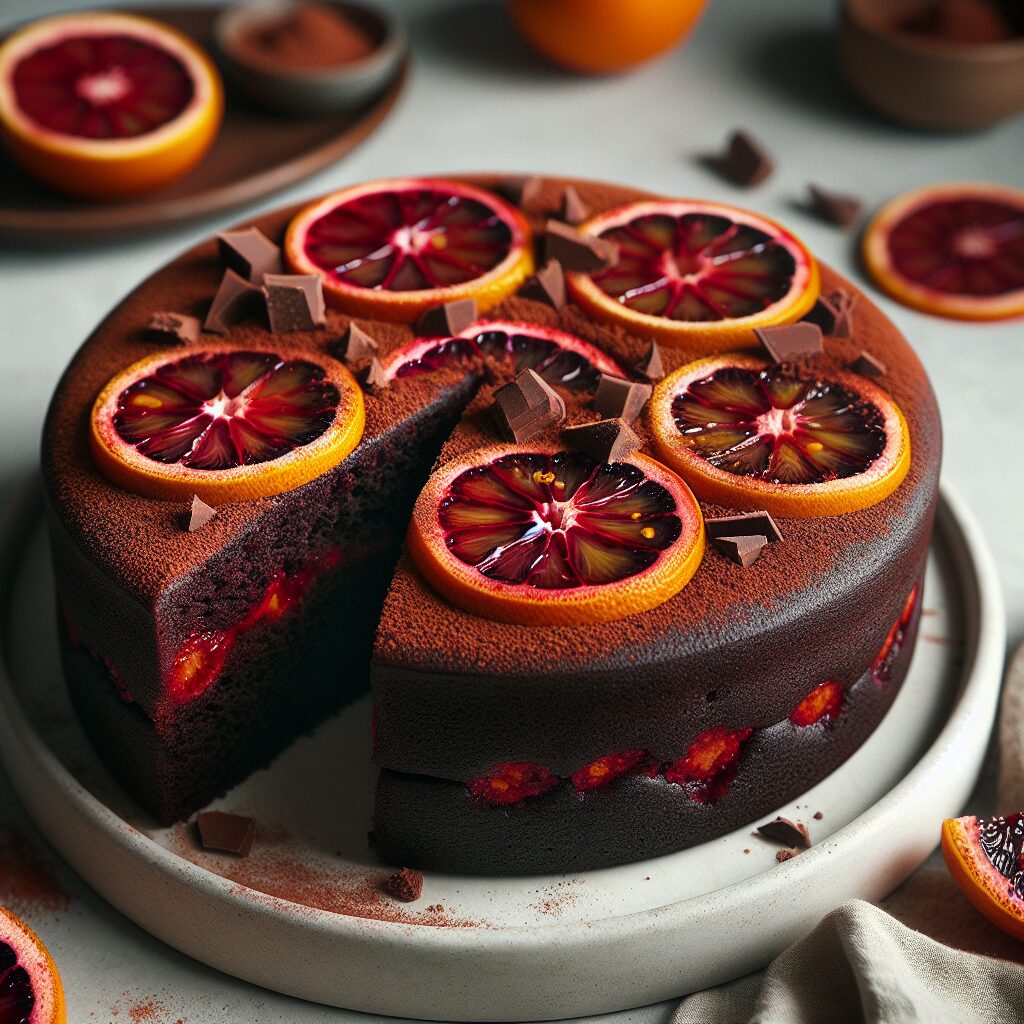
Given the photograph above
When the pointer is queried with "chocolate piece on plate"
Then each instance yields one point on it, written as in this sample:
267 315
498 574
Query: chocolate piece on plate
743 550
605 440
574 210
236 299
547 285
744 161
175 327
791 341
745 524
249 253
576 251
836 208
295 302
406 885
786 832
199 514
616 398
784 855
226 833
650 366
526 406
356 345
868 366
448 319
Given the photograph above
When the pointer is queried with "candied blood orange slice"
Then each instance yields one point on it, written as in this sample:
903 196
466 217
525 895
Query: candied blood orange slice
391 249
822 704
710 764
228 425
107 105
559 357
538 536
30 987
512 782
986 859
750 435
956 250
692 271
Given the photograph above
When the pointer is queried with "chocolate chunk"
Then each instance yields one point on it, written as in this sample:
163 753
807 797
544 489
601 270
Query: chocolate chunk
375 376
574 210
199 514
868 366
786 832
547 285
743 550
576 251
447 320
356 345
606 440
406 885
784 855
616 398
833 206
840 305
818 815
175 327
744 161
650 366
746 524
295 302
791 341
249 253
236 299
522 190
527 406
228 833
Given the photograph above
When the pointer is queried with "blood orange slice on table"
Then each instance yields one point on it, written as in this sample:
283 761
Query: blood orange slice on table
691 271
749 435
558 356
956 250
228 425
105 106
388 250
30 987
538 536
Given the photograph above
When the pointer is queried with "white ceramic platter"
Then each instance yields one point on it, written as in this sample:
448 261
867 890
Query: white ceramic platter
304 913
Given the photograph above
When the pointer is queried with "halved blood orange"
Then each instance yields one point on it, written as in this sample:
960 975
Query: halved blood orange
226 424
539 536
691 270
30 987
751 435
107 105
559 357
986 859
954 249
391 249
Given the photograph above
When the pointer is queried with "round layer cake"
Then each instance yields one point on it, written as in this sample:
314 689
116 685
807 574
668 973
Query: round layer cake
665 707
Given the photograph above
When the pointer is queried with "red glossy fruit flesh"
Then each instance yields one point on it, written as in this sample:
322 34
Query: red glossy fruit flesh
776 426
513 523
408 240
16 996
710 764
962 246
696 267
218 411
512 782
882 666
822 704
102 87
605 770
1002 840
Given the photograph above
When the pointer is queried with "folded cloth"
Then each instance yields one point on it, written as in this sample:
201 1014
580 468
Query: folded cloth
926 955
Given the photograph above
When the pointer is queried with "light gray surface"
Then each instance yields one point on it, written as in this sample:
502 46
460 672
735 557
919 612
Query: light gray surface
478 101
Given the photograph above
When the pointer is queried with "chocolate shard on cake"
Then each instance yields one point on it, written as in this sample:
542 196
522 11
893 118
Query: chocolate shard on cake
448 319
357 345
605 440
375 376
523 190
650 366
547 285
527 406
744 161
574 210
868 365
199 514
791 341
295 302
746 524
576 251
616 398
226 833
834 207
250 254
744 549
236 300
177 328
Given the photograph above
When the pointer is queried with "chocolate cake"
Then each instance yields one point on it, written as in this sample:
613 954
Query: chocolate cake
194 656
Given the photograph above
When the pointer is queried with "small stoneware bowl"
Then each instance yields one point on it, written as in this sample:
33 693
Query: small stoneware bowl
309 91
924 82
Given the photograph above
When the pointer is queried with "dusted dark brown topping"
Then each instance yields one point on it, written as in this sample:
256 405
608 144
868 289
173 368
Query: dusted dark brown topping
575 251
650 365
833 206
747 524
199 514
868 365
249 253
175 327
375 376
356 345
743 550
527 406
306 35
786 832
606 440
574 210
295 302
616 398
235 300
791 341
406 885
226 833
744 161
547 285
448 319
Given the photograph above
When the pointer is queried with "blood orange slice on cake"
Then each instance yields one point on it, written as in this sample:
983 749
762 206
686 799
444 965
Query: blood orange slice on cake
107 105
538 536
391 249
955 250
695 271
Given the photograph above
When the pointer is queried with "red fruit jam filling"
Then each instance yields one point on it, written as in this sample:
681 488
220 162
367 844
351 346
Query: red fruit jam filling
822 704
695 267
557 521
962 246
710 764
1002 839
16 995
101 87
511 783
607 769
882 666
777 426
408 240
222 410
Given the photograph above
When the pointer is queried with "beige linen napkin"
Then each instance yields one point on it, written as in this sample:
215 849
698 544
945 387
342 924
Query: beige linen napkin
926 956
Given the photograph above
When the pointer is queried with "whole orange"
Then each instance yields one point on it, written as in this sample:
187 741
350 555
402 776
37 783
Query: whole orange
600 36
